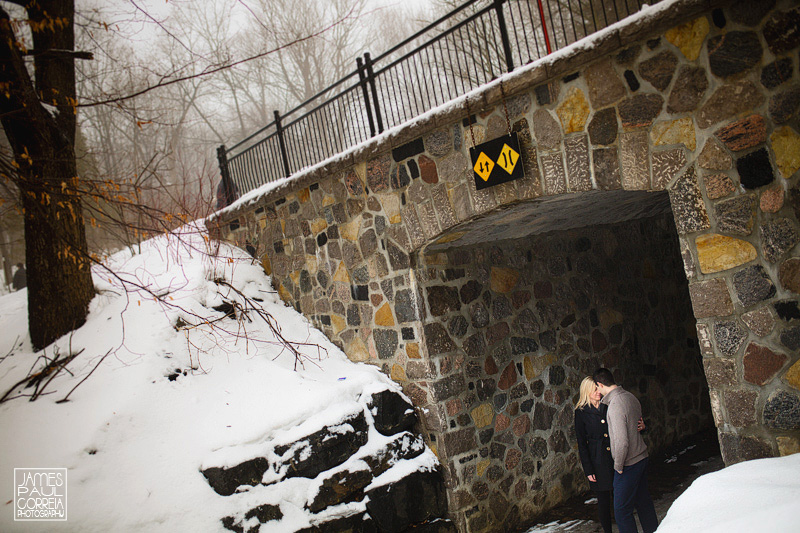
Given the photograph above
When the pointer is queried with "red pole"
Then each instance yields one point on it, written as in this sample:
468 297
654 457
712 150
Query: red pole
544 27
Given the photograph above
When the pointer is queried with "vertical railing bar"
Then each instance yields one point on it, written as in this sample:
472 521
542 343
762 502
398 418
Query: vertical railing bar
524 37
563 25
363 82
544 27
552 26
426 105
533 25
402 66
583 19
572 21
501 23
494 43
486 47
371 79
282 143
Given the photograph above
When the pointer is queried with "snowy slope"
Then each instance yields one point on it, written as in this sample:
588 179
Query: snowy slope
134 440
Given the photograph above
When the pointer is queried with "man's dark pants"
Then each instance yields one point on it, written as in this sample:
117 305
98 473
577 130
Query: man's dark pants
630 491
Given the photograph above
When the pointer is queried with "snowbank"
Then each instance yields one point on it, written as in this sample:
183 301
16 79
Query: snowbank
760 495
175 393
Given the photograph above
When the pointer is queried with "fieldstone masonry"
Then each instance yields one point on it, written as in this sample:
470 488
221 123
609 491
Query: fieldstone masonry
655 232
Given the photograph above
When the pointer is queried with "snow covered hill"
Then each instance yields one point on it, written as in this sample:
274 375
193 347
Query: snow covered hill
175 386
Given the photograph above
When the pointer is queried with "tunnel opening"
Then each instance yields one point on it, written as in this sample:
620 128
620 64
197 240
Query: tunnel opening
535 297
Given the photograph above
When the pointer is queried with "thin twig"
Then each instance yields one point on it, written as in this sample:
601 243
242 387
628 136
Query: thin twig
65 398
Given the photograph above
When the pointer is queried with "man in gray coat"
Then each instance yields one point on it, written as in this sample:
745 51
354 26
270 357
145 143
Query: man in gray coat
630 456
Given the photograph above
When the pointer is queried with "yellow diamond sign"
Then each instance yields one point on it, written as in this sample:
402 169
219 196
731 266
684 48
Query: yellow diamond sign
483 166
508 158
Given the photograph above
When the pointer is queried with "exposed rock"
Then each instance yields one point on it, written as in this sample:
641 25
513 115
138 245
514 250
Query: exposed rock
378 178
438 340
680 131
720 372
714 156
331 446
741 407
634 157
224 481
415 498
391 412
771 200
750 13
666 165
438 143
729 336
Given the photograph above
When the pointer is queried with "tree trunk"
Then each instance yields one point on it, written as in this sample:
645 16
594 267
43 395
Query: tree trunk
59 274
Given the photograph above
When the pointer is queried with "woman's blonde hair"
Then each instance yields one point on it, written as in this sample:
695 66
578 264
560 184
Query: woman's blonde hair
587 388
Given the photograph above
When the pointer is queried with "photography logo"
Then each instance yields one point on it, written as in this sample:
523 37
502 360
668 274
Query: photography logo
40 494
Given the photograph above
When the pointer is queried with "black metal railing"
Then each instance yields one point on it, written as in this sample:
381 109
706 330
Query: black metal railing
470 46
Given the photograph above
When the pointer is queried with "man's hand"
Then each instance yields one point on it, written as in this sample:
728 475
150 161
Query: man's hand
640 424
619 471
592 478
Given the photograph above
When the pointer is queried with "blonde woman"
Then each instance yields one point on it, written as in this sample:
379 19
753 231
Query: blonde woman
594 447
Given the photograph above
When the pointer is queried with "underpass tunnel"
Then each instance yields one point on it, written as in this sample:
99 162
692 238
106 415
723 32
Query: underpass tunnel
535 297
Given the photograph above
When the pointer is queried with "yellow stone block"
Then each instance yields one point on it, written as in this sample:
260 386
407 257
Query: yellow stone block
383 317
527 366
720 252
338 323
295 277
350 230
786 147
503 279
262 222
284 294
318 225
788 445
689 37
266 264
679 131
412 350
573 111
792 376
341 274
482 415
541 363
361 171
303 195
328 200
357 351
398 373
482 466
312 264
391 206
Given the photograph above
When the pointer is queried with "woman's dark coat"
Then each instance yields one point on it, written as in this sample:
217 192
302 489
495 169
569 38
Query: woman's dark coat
594 446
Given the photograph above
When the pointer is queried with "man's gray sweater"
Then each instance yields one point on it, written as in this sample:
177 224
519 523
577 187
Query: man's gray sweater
624 411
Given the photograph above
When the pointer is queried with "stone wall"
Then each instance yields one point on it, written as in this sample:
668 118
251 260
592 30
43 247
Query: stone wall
519 324
698 100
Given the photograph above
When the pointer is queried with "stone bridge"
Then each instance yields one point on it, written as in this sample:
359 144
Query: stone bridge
655 232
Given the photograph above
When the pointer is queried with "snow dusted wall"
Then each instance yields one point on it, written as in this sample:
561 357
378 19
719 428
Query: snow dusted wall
686 113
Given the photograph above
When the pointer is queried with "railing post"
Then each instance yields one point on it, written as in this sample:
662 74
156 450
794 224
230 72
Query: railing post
282 144
501 20
363 82
371 80
544 27
227 185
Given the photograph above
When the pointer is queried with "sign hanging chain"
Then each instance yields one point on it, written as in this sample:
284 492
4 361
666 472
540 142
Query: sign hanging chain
505 107
469 119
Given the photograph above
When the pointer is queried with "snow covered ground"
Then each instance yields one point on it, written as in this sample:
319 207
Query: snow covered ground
170 397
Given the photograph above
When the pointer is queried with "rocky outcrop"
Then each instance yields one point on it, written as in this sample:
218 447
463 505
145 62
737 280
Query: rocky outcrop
364 477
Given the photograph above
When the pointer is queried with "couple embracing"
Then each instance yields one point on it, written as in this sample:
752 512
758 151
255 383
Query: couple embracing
613 454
